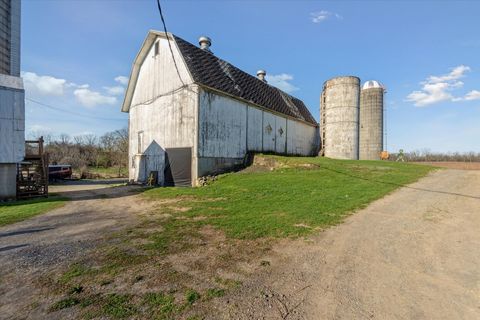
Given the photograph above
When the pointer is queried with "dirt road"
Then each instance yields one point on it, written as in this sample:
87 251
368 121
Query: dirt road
413 255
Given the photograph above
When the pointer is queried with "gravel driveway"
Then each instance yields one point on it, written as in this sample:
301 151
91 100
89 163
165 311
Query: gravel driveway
51 241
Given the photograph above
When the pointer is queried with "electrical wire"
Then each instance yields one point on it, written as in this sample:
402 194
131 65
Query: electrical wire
168 40
152 100
72 112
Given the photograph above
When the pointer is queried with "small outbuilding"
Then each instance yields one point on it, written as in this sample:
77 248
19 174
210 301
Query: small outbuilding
192 114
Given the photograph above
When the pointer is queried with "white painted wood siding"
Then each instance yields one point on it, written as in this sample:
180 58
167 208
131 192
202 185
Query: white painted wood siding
254 129
229 128
12 125
222 127
161 111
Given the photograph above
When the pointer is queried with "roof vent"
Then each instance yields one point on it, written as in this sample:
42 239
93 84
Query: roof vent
205 43
261 75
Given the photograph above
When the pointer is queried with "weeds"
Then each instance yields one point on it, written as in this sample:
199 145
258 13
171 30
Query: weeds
192 296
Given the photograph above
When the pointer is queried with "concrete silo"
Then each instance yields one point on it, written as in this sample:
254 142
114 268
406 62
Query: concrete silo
339 116
371 120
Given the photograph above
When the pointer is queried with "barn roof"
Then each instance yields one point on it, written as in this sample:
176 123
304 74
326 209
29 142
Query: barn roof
213 72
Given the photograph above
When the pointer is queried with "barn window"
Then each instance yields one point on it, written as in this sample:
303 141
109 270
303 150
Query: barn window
157 49
268 129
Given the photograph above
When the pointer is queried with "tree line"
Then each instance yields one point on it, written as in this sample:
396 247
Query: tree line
87 150
426 155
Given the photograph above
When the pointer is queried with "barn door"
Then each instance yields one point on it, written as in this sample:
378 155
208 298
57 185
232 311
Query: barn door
178 167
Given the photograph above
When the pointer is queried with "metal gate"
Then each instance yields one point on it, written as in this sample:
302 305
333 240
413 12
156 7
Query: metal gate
178 167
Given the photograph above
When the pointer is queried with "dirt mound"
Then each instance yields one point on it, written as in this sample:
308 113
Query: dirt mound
261 163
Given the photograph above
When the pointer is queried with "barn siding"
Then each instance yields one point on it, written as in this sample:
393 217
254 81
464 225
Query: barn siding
228 129
254 129
165 119
222 127
12 125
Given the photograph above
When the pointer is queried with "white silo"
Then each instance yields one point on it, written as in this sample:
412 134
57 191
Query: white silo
371 120
339 118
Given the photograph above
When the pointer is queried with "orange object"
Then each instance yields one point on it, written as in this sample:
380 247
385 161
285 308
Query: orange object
384 155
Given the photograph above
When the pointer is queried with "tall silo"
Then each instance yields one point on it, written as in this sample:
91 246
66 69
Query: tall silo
371 120
339 118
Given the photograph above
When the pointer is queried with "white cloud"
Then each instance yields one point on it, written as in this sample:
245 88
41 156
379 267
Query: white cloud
115 91
472 95
50 86
320 16
122 80
281 81
90 98
437 88
455 74
44 85
430 94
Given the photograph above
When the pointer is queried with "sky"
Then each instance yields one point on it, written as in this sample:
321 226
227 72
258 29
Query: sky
77 57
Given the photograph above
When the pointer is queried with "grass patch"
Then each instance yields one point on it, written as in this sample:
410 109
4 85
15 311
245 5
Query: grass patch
191 296
119 306
177 235
161 305
75 270
65 303
20 210
302 194
214 293
229 283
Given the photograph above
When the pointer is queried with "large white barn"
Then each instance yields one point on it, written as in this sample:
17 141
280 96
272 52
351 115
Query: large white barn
203 116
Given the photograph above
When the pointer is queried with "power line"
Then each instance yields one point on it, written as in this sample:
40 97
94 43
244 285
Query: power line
168 40
72 112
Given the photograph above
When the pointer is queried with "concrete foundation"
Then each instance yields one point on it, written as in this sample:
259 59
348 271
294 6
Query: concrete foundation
8 181
214 166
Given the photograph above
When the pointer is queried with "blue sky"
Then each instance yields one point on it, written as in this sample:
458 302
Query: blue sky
76 56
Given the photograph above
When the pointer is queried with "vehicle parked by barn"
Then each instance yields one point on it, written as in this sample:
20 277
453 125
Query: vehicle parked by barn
59 172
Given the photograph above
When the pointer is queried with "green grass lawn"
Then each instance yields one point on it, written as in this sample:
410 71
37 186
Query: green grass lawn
20 210
298 196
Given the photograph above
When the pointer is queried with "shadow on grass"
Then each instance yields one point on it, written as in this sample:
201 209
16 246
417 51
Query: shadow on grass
23 202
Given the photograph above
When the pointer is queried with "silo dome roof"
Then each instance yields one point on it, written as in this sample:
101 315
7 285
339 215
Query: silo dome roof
372 84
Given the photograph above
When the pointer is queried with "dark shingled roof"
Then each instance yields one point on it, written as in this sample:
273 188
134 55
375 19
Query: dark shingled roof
218 74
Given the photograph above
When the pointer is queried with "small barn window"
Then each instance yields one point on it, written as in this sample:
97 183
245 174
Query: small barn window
156 50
